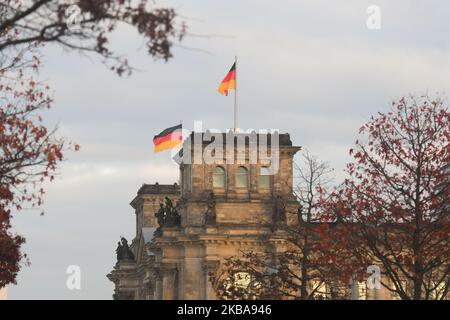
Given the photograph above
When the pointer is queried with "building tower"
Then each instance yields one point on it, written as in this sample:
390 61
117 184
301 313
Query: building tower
230 198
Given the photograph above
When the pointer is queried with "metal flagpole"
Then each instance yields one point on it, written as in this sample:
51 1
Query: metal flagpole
235 95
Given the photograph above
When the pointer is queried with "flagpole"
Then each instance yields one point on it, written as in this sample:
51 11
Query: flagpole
235 96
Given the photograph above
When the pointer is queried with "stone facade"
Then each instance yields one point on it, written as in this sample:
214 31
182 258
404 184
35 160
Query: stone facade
174 262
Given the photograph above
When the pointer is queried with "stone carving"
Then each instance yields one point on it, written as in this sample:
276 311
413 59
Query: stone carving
279 212
123 296
168 215
172 216
123 250
210 214
160 214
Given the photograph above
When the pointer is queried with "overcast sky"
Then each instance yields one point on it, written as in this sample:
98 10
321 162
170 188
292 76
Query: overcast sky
310 68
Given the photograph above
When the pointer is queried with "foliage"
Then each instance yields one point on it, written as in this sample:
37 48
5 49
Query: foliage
394 207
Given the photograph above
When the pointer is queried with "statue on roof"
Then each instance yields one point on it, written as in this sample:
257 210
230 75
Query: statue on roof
168 214
210 214
123 250
160 215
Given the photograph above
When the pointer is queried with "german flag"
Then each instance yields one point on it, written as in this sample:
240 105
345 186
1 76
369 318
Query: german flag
168 139
229 82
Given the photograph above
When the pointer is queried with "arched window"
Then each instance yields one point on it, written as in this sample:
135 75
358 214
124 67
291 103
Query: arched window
242 178
264 178
219 177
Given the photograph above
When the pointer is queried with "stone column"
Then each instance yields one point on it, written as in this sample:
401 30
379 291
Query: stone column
193 273
354 289
168 281
210 269
158 285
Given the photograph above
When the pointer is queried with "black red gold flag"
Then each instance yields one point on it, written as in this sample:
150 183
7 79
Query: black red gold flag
229 82
168 138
